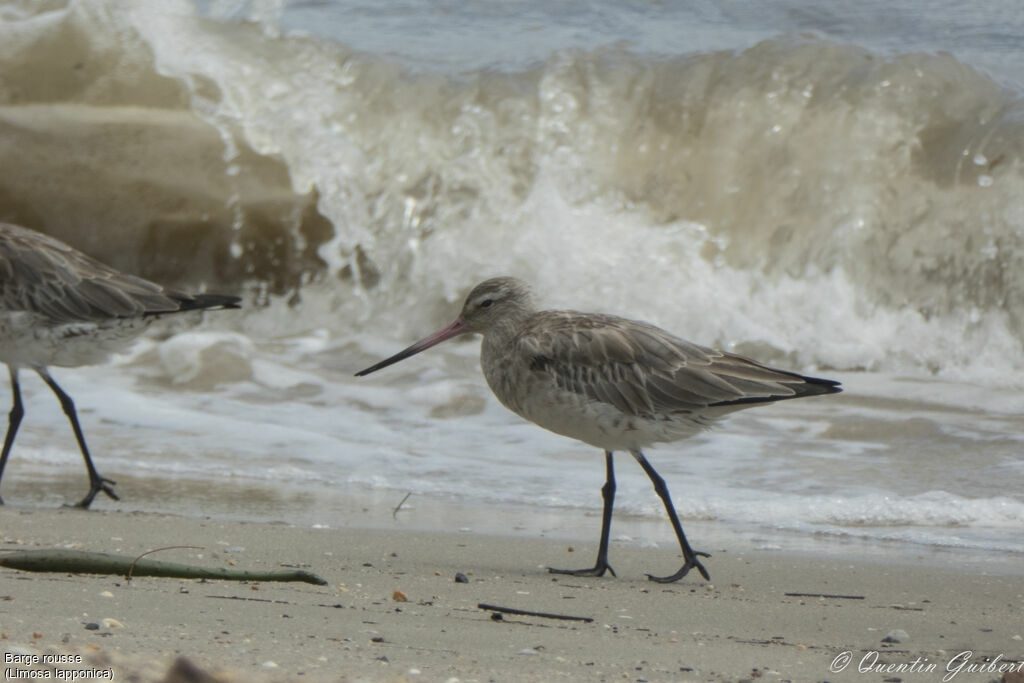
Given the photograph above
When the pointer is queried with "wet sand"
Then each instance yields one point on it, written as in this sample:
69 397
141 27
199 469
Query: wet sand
392 609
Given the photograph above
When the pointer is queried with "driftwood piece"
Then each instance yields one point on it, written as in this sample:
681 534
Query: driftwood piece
84 562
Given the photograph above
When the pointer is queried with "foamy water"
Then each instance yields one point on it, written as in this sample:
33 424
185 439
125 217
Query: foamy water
801 184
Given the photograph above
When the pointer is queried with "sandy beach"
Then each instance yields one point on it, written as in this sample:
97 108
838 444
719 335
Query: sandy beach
393 611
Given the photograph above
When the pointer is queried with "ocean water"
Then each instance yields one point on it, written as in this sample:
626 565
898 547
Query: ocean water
834 188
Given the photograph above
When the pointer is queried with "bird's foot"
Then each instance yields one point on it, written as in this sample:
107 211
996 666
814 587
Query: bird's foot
597 570
691 563
98 484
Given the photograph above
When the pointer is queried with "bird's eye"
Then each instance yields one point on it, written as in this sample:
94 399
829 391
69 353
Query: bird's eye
486 303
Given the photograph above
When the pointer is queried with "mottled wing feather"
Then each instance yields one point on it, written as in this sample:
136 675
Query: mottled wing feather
643 370
47 277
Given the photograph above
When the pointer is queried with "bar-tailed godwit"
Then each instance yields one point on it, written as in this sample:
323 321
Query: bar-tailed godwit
613 383
61 307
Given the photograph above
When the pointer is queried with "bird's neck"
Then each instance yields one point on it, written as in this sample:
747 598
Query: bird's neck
502 331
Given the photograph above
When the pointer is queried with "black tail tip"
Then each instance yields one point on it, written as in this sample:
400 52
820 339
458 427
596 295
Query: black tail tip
206 301
818 386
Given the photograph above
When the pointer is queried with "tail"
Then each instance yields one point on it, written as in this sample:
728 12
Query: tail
816 386
801 386
198 302
215 301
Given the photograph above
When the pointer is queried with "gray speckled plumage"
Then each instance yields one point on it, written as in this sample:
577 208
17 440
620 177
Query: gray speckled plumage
614 383
61 307
42 275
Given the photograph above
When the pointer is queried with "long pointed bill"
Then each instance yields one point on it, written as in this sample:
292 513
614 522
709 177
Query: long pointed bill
453 330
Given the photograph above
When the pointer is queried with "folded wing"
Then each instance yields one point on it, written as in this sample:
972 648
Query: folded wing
643 370
44 276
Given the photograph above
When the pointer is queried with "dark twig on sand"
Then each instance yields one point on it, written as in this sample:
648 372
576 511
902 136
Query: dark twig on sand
824 595
82 562
394 513
530 613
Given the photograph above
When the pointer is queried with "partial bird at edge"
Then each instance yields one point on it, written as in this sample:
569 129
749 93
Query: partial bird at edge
61 307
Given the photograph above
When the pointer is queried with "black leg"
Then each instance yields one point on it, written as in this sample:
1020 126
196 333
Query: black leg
96 482
13 420
690 560
608 493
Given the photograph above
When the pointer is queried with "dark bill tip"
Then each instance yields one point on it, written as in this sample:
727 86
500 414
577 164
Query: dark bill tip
455 329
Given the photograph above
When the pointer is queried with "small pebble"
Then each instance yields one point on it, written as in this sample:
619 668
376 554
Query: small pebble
399 596
461 578
92 626
896 635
